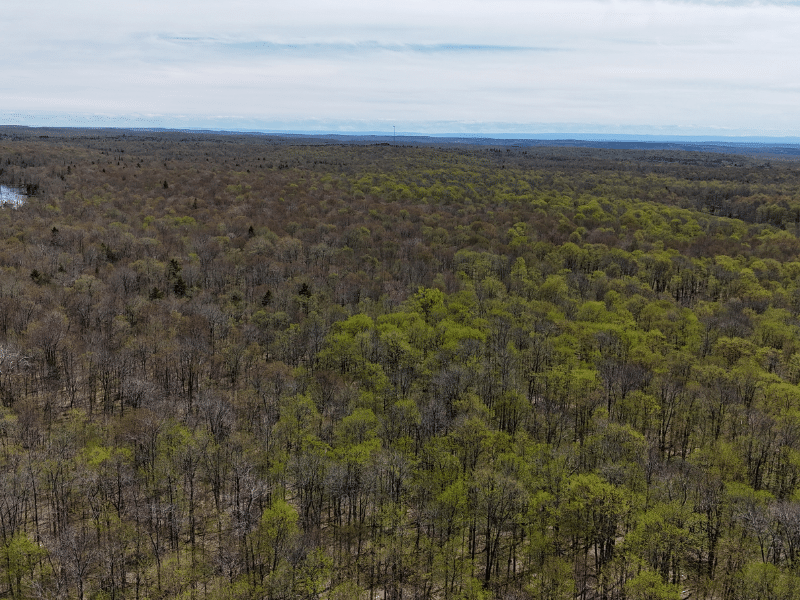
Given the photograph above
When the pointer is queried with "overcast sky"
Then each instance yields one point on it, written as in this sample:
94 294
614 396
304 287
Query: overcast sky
433 66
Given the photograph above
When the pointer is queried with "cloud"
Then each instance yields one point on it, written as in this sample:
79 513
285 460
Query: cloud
267 47
718 65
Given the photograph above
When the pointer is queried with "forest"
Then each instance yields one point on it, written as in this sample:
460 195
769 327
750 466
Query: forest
238 367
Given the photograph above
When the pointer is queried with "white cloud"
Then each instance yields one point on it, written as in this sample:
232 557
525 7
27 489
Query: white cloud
687 65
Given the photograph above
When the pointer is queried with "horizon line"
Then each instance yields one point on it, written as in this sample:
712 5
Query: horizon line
505 136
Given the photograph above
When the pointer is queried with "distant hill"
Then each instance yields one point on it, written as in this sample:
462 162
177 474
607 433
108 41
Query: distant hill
777 147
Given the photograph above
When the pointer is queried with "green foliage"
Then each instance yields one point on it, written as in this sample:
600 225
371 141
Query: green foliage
345 371
647 585
19 555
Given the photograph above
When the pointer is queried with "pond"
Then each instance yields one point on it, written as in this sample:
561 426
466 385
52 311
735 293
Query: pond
11 196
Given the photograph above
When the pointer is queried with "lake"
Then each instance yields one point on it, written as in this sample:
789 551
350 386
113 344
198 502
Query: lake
12 196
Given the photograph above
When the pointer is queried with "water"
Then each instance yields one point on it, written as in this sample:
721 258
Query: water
11 196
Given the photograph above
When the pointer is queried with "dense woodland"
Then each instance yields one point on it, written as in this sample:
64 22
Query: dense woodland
247 367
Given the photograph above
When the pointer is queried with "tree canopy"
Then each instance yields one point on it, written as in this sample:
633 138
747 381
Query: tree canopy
249 367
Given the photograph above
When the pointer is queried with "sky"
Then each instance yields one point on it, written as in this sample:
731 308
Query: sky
639 67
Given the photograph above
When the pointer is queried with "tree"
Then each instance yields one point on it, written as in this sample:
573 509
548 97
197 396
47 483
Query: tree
274 537
19 556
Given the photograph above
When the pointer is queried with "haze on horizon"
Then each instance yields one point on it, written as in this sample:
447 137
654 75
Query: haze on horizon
690 68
